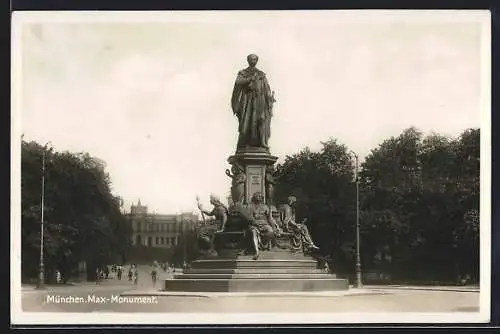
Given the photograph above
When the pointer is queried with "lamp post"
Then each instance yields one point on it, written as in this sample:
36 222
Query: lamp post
41 274
359 281
183 242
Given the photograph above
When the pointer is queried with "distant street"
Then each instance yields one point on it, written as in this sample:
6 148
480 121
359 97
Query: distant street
104 297
40 300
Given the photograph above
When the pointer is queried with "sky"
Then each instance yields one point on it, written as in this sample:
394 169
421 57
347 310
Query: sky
150 93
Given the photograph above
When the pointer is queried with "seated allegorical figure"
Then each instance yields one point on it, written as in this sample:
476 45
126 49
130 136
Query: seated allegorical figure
261 226
301 238
220 212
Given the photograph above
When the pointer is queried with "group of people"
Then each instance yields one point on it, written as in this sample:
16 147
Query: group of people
262 226
133 272
103 273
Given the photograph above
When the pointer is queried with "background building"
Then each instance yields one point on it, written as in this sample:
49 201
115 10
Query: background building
158 230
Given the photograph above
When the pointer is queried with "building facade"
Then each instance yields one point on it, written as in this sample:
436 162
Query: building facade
158 230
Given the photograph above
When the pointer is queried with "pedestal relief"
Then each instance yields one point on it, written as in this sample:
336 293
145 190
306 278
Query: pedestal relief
255 166
255 180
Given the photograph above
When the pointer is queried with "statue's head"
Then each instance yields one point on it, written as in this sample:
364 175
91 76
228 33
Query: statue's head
258 198
252 59
291 200
214 200
235 170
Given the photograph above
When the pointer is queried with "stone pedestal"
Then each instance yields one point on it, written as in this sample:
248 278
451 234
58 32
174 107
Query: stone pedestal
231 270
254 163
272 272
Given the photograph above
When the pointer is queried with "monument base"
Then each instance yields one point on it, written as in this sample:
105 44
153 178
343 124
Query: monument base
274 271
256 285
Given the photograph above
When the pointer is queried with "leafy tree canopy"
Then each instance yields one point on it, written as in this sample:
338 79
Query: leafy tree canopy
82 218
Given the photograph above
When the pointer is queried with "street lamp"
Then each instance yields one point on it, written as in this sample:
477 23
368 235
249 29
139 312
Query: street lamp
41 281
184 255
358 255
183 231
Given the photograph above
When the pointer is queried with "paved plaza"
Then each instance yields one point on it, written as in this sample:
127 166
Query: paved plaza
369 299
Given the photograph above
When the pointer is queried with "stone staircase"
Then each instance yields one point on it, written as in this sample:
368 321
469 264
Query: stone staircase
274 271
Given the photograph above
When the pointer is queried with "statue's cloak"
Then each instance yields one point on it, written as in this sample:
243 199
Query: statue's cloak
251 102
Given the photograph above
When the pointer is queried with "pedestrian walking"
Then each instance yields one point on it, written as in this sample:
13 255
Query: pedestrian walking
97 275
154 275
130 272
58 277
119 272
135 275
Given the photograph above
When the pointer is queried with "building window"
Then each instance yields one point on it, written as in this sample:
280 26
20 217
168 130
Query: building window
157 240
172 240
167 241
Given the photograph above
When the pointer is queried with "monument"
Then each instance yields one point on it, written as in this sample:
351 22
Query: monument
256 246
252 103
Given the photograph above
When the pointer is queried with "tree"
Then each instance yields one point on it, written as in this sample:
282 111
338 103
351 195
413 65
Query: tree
390 188
187 248
323 184
466 173
416 193
82 217
419 204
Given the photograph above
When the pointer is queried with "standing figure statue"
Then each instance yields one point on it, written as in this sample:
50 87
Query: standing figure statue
270 184
238 184
261 226
301 236
252 102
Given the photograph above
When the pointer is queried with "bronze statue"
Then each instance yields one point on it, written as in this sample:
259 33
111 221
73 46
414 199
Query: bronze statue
262 226
270 183
219 211
252 102
301 235
238 184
